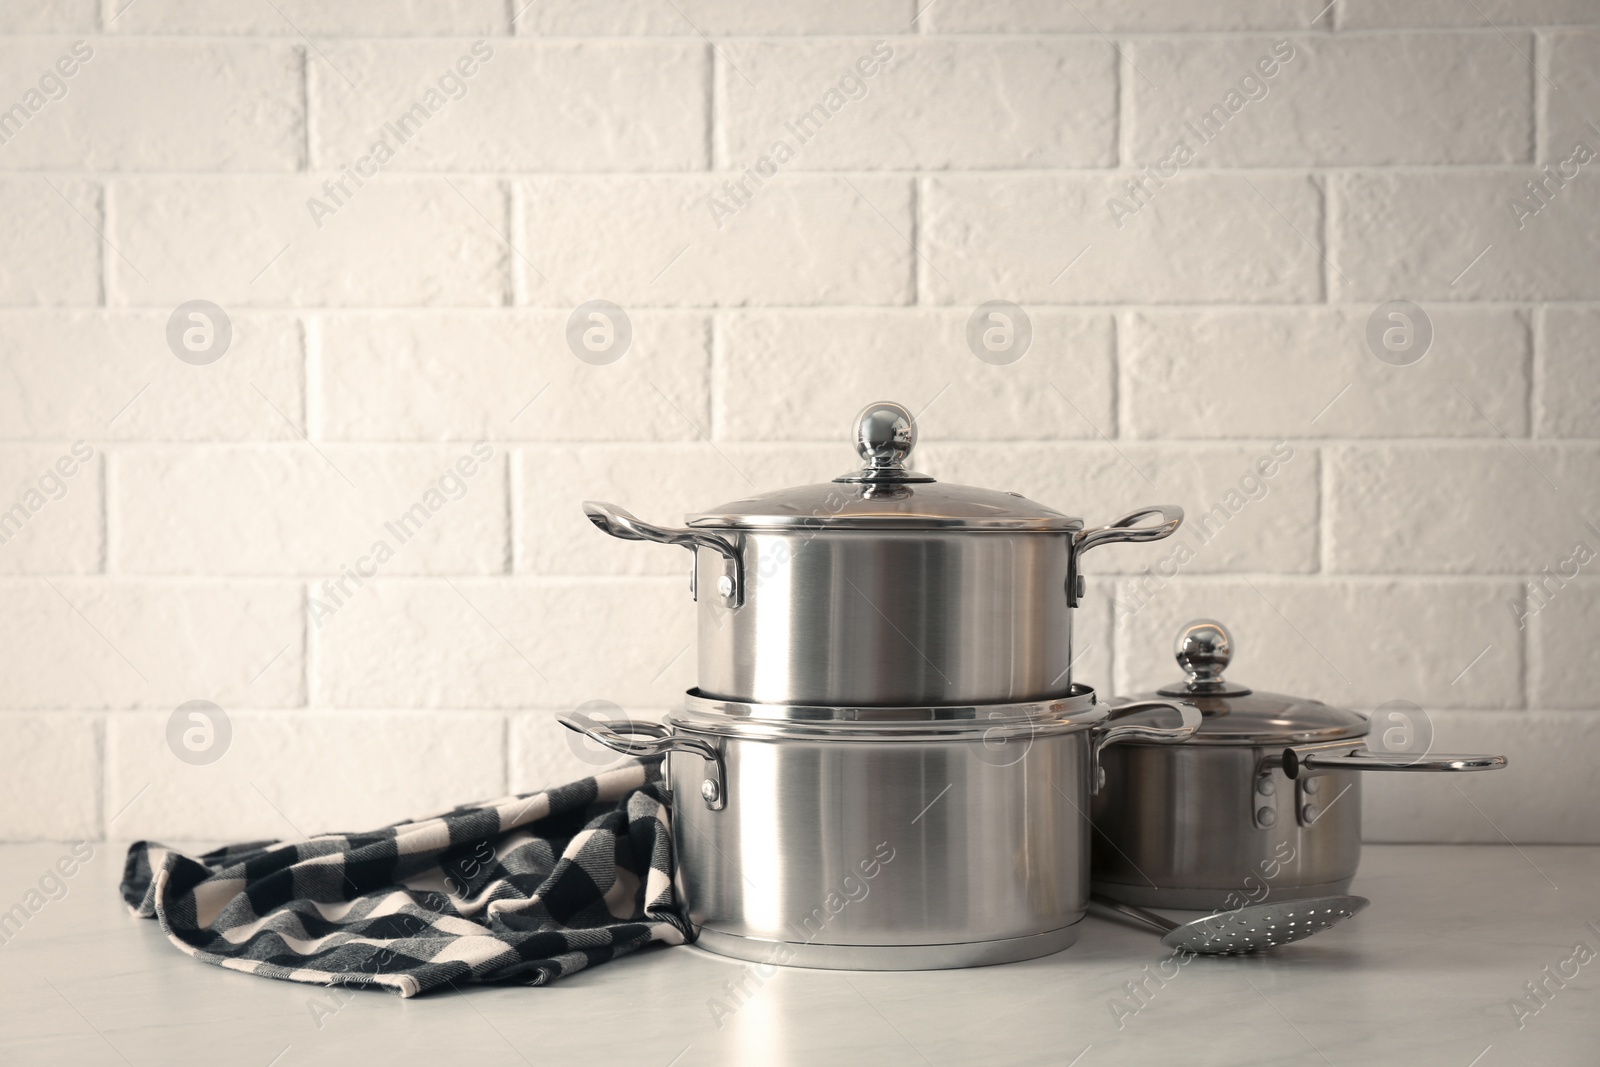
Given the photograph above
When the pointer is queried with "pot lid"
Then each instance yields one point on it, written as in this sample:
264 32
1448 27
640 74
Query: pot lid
1004 730
886 493
1234 714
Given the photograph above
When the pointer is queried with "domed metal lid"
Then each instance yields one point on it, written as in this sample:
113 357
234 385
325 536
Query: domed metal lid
886 493
1237 715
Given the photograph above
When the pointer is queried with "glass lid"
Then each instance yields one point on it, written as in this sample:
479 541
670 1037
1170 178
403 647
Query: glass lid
886 493
1235 714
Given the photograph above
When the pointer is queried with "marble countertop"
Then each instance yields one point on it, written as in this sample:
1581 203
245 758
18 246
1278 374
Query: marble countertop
1427 975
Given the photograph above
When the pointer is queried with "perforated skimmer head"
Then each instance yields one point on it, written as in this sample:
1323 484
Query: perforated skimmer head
1262 926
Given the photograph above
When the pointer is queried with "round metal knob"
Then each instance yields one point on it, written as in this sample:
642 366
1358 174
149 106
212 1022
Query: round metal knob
1204 649
885 434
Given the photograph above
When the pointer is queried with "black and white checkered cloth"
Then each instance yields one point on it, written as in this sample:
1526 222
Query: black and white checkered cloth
525 888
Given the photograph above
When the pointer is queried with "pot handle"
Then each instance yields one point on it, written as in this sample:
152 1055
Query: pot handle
619 522
1110 733
1123 529
714 789
1300 761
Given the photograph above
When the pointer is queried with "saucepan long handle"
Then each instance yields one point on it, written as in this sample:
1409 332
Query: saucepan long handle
1148 919
1305 759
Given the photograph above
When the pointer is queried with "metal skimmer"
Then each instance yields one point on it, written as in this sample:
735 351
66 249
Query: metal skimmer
1248 929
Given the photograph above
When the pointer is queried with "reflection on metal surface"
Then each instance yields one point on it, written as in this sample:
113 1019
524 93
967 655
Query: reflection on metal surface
756 844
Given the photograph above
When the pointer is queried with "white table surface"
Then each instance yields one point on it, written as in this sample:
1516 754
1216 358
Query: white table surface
1423 976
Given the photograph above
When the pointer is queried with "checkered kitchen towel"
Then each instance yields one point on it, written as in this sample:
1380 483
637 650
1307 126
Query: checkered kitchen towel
526 888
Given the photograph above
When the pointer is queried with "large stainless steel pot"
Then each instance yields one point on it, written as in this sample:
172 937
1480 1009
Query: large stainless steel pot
884 587
885 838
1264 800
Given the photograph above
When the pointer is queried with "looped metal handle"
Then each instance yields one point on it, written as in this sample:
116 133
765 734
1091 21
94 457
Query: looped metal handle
619 522
1111 732
714 790
1123 529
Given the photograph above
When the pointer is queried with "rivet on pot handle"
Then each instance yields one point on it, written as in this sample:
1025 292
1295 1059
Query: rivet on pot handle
714 790
1111 733
1123 529
618 522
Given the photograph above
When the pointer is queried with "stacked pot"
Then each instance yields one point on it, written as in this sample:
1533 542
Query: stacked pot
886 763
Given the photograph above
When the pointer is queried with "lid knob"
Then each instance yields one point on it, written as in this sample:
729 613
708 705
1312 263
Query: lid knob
1204 648
885 434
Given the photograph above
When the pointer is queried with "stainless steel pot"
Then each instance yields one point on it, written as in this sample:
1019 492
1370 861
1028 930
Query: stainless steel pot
884 587
1264 800
885 838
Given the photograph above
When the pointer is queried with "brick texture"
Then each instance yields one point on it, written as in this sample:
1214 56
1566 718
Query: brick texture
293 239
1354 643
299 510
1509 511
121 643
112 375
706 240
51 519
467 376
1229 239
289 775
51 779
1361 14
49 16
168 105
1309 373
689 18
1250 508
1572 111
1502 234
1568 399
647 115
1101 16
865 105
291 18
788 376
53 256
1304 100
320 321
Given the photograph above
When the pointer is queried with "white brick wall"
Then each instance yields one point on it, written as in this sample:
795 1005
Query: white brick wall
218 537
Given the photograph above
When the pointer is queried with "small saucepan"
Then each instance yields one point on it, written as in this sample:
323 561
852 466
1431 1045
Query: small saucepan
1265 799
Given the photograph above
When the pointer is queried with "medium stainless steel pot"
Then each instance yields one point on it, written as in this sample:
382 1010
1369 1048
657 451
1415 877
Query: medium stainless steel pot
884 587
1264 800
885 838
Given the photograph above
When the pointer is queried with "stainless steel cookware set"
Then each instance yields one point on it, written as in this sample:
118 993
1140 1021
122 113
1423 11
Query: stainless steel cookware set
886 763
